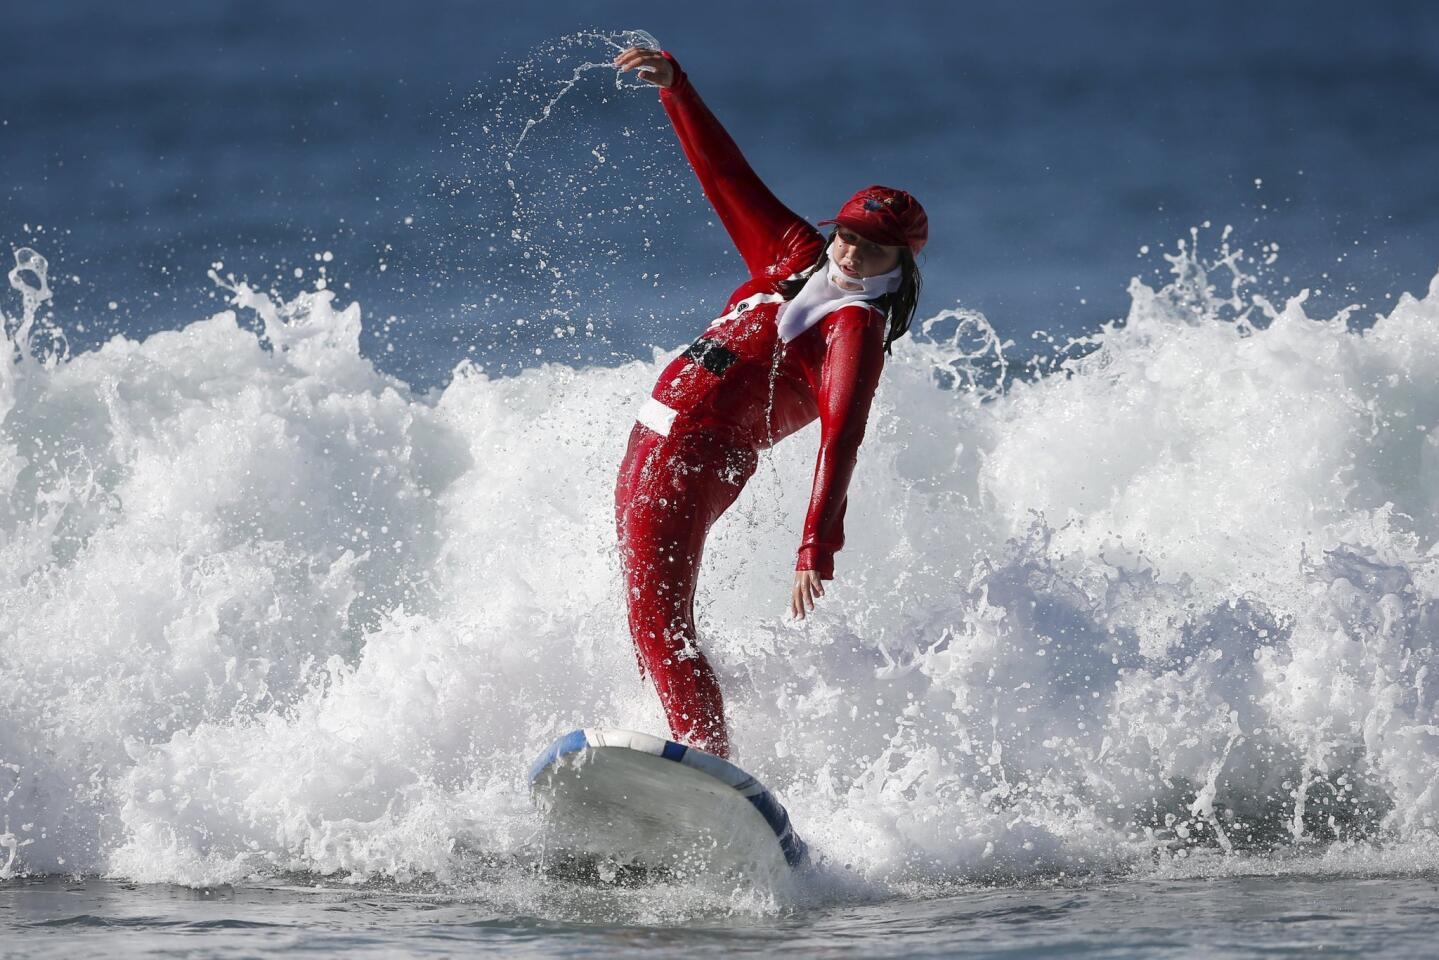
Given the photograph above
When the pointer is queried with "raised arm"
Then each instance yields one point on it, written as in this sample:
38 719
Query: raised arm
852 367
773 240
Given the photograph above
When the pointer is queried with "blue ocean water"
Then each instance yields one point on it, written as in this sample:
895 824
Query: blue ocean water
306 543
1050 142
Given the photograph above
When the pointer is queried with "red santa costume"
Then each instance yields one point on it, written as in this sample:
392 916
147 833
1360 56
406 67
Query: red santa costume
762 370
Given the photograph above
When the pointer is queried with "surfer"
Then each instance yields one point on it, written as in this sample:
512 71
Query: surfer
803 338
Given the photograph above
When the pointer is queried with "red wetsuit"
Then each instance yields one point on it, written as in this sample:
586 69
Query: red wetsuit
737 390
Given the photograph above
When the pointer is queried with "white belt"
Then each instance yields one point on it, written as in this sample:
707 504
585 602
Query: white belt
657 416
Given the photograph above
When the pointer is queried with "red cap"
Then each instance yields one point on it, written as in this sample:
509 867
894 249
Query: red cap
886 216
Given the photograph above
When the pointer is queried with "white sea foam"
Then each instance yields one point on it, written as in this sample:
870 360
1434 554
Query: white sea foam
264 609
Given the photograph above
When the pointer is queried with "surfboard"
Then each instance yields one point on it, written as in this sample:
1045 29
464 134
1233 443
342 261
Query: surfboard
617 803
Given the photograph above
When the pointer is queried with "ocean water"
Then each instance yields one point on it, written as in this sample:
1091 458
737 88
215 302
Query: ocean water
1129 654
1264 916
247 641
1051 143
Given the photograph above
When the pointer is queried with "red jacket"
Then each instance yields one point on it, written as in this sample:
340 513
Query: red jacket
739 381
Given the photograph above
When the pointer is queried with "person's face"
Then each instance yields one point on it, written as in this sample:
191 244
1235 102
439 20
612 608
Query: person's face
860 258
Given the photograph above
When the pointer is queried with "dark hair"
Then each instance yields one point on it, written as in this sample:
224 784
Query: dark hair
900 305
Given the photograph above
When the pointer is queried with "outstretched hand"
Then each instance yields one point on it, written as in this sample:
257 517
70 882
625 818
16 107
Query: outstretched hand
807 586
651 64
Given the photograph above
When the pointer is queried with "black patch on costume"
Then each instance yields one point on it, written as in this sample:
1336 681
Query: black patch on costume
712 355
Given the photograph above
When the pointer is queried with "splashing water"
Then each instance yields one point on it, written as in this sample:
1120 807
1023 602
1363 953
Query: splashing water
30 277
264 609
972 353
619 41
535 216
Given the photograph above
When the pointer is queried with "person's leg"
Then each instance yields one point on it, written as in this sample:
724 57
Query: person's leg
668 495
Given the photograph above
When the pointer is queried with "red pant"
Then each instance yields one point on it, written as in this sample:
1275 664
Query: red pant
670 492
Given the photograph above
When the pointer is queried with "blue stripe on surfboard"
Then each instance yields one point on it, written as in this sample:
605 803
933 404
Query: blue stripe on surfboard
795 850
774 813
571 742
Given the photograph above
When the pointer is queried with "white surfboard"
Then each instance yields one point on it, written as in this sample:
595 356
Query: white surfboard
620 800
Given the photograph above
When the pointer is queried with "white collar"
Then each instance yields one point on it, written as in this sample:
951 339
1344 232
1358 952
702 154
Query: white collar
827 290
870 288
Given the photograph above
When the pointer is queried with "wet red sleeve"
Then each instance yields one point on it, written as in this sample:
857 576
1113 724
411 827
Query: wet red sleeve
854 359
772 239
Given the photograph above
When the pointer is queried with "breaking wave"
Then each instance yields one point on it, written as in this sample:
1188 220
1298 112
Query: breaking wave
264 609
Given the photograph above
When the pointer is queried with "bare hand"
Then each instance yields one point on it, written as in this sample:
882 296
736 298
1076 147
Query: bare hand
807 586
651 64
